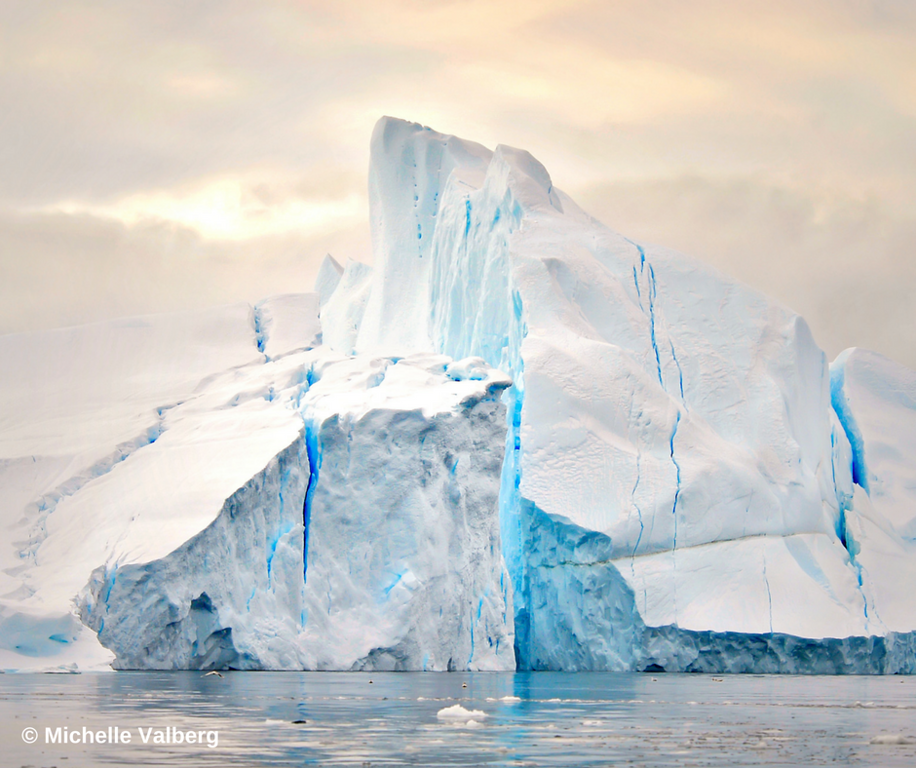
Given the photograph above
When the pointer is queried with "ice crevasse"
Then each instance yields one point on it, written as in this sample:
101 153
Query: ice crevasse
518 440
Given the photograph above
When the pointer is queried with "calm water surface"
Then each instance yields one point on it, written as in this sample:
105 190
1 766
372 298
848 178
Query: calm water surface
390 719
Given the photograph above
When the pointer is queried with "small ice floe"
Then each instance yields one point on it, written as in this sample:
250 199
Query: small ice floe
892 739
511 698
64 669
458 715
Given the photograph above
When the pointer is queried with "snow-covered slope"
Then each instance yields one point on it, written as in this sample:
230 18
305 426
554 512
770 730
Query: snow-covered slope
286 507
76 403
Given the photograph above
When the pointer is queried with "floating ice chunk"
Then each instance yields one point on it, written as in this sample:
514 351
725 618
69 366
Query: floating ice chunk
681 485
458 714
891 739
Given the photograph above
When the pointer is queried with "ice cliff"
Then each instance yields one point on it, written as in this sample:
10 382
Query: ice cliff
519 439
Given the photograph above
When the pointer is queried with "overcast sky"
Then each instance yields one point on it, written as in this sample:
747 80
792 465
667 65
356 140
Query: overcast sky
168 155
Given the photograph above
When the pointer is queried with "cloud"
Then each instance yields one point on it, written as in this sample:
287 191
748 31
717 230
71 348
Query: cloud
143 144
66 269
234 208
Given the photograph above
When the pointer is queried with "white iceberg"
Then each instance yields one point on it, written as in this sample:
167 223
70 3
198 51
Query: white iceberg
282 507
518 440
676 481
458 714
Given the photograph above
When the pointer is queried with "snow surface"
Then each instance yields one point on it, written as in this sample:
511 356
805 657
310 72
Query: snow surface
287 323
519 438
76 404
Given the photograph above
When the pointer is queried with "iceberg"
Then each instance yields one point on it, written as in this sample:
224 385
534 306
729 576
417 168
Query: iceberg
284 507
675 462
519 440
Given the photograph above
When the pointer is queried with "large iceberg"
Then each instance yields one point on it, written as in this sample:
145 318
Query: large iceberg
281 506
518 440
678 481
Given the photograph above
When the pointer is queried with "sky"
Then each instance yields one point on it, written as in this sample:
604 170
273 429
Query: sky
171 155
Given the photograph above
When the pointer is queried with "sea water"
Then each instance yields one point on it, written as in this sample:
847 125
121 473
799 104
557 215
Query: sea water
392 719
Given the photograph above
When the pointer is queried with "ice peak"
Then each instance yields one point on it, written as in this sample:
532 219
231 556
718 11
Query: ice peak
528 178
328 277
409 168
